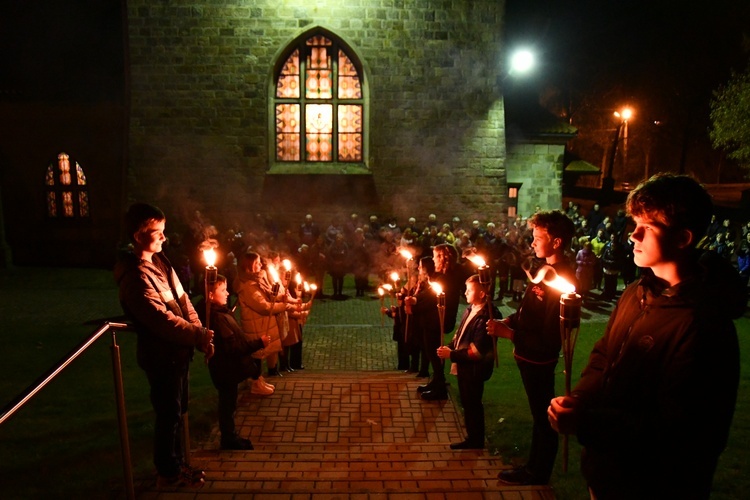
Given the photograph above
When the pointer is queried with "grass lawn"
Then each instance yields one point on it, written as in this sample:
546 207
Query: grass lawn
65 444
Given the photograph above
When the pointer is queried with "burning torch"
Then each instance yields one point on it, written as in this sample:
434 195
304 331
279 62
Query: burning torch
485 279
441 308
381 293
209 255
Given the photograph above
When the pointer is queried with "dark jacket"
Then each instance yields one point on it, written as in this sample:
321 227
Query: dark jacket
475 362
153 299
659 391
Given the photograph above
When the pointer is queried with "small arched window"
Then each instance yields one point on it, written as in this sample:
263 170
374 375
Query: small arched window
67 192
319 106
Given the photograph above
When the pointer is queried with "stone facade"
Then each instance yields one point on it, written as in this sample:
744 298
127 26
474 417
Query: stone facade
201 76
539 167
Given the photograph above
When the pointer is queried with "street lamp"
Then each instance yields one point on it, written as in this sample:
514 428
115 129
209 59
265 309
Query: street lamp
522 61
623 115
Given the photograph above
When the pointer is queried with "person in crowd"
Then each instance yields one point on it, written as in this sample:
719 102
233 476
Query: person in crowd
446 234
232 363
360 262
743 259
471 354
308 231
585 265
534 331
597 246
318 264
168 331
721 247
612 258
337 258
655 402
595 217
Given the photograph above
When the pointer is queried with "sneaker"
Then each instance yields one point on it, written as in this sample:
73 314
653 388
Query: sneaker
260 389
263 381
236 443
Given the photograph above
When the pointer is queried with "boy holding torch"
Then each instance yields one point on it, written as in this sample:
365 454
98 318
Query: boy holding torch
655 402
534 330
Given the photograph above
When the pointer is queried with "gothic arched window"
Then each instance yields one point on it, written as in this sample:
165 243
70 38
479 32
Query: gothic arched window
319 106
67 192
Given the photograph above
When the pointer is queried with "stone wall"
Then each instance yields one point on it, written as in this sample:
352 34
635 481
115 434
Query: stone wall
539 167
200 76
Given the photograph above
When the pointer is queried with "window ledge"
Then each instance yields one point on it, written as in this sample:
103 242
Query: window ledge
319 169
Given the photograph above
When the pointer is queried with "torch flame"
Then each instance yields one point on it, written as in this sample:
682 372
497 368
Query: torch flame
313 287
406 254
549 276
387 286
477 260
381 292
209 255
298 279
306 286
287 264
436 287
274 273
395 276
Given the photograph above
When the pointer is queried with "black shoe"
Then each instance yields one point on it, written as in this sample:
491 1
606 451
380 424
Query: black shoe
236 443
424 388
519 477
289 369
466 445
300 367
274 373
434 395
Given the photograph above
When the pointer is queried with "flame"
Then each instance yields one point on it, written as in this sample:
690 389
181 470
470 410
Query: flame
313 287
395 276
477 260
287 264
549 276
436 287
387 286
406 254
209 255
298 279
381 292
306 286
273 272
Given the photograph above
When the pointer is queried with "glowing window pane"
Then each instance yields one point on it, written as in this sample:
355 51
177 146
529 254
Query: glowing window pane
287 132
318 40
513 192
51 204
63 163
288 84
350 132
511 211
50 179
80 175
319 131
67 204
83 203
349 86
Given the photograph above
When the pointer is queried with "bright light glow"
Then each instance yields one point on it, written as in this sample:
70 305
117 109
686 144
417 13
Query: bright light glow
625 114
477 260
306 286
395 276
388 287
381 292
298 279
313 287
522 61
274 273
550 277
436 287
210 257
287 264
405 253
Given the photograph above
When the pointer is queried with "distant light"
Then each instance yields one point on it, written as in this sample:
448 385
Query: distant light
522 61
626 114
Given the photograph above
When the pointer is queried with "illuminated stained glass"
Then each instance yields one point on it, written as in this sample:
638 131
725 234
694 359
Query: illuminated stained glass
66 194
51 204
318 82
287 132
349 85
83 203
318 40
80 175
67 203
288 84
350 132
319 131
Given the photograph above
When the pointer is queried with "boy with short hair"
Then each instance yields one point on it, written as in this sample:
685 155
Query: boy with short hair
655 402
168 330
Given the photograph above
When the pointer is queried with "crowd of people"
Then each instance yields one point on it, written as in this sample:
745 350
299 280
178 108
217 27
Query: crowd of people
654 242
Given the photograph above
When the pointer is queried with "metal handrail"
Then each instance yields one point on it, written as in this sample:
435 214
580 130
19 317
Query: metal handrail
23 398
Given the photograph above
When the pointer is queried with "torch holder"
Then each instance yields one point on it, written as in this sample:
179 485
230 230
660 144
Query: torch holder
570 322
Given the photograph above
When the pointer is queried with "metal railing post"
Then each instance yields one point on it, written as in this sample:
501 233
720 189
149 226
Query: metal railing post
122 418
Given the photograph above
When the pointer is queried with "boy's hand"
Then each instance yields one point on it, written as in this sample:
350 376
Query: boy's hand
563 415
444 352
499 328
266 340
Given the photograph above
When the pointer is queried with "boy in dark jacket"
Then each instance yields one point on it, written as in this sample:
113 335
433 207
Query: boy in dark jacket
231 363
655 402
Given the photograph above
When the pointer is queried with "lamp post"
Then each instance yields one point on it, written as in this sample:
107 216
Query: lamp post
608 183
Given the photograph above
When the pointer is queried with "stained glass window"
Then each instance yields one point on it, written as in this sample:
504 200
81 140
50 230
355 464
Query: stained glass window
67 194
324 122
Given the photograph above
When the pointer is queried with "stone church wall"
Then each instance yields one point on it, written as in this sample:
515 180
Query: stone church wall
200 76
